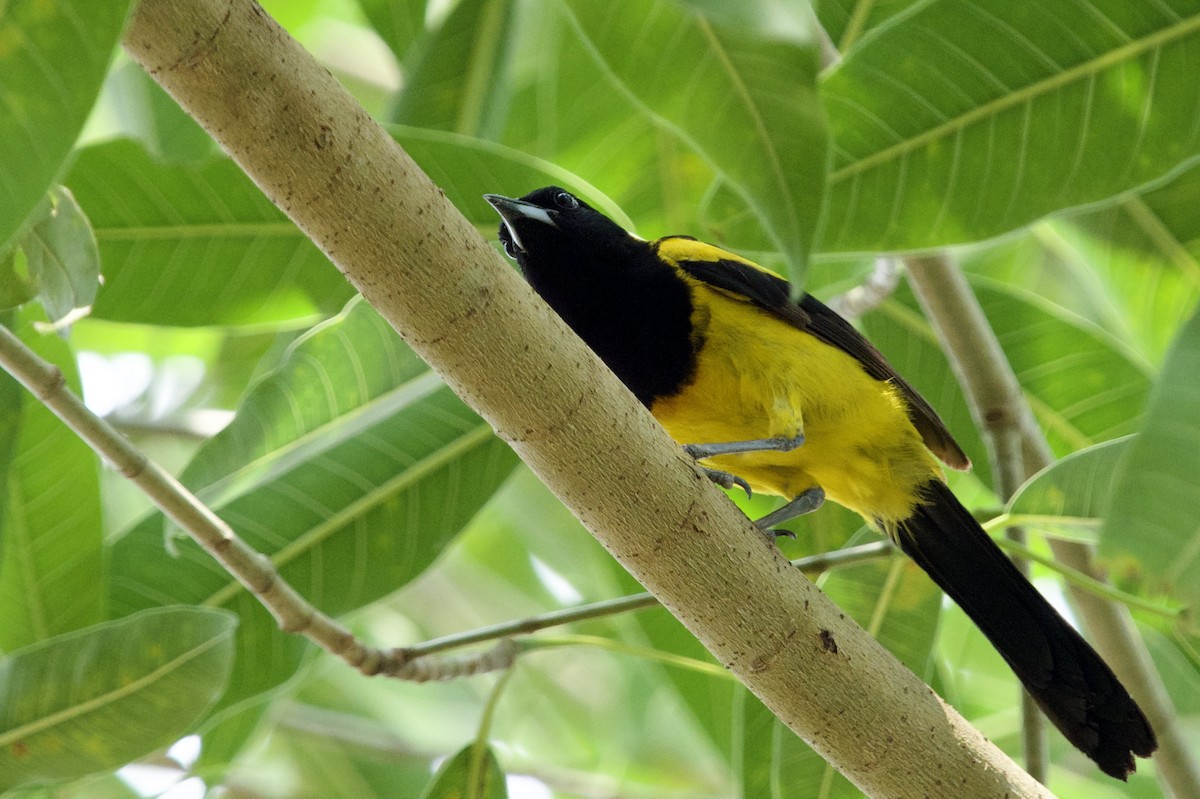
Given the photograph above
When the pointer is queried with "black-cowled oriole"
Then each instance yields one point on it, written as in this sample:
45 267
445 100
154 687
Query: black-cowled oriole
717 350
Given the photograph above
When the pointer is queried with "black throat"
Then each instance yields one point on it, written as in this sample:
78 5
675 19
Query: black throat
633 310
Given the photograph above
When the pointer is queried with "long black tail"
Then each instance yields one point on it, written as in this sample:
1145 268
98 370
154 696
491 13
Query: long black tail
1065 676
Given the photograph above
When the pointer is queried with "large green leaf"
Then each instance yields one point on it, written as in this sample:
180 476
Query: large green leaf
585 123
466 168
1084 385
1144 255
196 245
456 79
52 566
1071 496
53 57
399 23
351 466
847 20
152 116
745 102
97 698
967 118
1151 526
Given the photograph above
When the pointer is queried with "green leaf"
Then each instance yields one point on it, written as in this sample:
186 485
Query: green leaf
774 19
745 102
965 119
97 698
196 245
53 57
1144 255
1071 496
457 78
466 168
473 773
52 567
1084 385
61 255
606 138
16 284
1151 529
153 117
847 20
351 466
399 23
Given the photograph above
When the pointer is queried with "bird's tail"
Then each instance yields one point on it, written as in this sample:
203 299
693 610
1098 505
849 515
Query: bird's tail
1065 676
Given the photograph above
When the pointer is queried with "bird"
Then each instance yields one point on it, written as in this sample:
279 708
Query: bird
783 396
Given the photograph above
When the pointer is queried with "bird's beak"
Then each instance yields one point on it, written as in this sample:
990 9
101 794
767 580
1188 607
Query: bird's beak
512 211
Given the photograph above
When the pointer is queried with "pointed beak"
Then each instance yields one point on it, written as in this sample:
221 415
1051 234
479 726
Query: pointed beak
513 211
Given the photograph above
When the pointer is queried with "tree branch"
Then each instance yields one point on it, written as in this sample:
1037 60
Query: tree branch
1000 409
321 158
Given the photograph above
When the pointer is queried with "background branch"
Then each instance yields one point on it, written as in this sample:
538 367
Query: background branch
998 405
320 157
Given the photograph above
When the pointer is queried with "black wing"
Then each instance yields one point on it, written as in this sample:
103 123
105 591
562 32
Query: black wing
770 292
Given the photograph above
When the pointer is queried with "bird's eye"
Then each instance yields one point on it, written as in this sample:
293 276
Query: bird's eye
566 201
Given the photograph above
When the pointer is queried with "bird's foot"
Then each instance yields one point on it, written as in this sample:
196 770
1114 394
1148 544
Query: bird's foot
805 502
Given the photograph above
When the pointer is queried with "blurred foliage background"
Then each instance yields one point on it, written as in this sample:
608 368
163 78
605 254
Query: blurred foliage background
1050 147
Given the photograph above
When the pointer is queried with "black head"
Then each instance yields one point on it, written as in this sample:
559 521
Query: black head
608 285
551 225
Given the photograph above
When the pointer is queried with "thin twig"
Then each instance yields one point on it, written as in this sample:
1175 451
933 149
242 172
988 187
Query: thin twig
609 607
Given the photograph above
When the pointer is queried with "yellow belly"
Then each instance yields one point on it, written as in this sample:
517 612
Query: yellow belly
759 377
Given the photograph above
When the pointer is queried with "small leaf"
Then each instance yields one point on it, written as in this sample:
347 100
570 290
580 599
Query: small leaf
1151 527
473 773
61 254
1071 496
97 698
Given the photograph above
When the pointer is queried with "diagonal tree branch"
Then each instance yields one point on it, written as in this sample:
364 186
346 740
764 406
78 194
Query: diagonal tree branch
320 157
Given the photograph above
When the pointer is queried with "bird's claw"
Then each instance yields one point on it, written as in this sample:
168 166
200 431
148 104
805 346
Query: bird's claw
727 480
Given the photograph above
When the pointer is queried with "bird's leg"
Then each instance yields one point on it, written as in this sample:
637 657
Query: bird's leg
727 480
806 501
779 443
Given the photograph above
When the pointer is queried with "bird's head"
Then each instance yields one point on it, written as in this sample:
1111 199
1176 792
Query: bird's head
552 225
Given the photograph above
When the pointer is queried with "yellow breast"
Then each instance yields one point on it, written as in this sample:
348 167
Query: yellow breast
759 377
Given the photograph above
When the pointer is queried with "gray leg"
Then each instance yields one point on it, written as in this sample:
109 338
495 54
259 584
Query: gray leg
780 444
807 502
